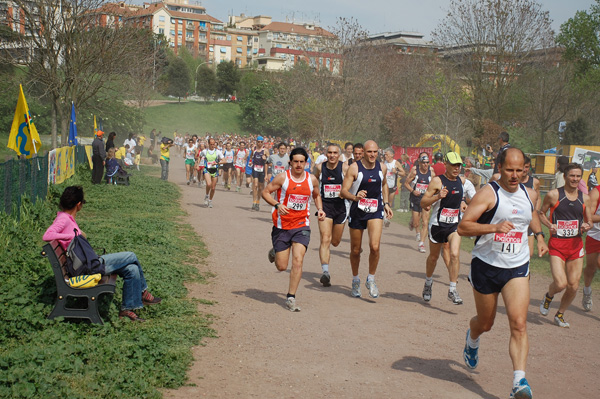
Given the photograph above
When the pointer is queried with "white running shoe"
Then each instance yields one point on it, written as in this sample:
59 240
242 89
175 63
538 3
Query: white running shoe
355 289
206 202
210 203
372 287
545 305
290 304
454 297
422 248
427 292
587 302
559 319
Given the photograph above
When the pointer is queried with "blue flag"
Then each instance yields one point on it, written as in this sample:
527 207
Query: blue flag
72 127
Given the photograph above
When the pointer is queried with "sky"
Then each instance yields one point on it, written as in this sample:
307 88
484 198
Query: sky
375 16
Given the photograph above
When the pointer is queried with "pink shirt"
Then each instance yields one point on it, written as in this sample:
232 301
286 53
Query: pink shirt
62 229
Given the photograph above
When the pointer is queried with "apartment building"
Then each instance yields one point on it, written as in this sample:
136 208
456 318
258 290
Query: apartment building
402 42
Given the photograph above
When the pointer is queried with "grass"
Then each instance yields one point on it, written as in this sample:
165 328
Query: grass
194 118
56 358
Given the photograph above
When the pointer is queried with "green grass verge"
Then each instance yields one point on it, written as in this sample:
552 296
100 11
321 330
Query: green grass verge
195 118
52 359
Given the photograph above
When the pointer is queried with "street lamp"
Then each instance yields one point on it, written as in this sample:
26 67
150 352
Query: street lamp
196 77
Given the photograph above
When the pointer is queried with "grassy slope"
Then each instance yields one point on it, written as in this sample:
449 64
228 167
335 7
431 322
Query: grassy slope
194 118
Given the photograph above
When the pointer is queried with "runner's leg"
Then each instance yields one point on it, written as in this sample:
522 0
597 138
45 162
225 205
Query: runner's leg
573 272
298 251
355 244
374 228
516 300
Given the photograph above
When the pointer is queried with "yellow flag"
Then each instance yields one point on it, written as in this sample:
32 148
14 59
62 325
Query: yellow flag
24 138
95 126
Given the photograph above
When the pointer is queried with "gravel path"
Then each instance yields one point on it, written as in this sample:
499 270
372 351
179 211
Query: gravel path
396 346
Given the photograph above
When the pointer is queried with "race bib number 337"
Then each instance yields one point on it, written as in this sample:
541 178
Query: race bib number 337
508 243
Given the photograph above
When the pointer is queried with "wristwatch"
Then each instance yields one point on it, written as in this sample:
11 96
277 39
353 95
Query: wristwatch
538 233
277 205
386 203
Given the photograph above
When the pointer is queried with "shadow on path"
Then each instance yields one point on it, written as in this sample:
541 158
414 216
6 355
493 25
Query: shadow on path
442 369
414 299
262 296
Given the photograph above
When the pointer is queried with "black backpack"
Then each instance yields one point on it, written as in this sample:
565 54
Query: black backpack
81 258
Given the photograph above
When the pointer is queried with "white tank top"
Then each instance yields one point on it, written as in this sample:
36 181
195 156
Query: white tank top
594 232
391 173
510 250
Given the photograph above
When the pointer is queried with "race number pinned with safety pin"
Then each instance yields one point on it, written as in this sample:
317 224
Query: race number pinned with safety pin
368 205
297 202
332 190
421 188
448 215
508 243
259 168
567 228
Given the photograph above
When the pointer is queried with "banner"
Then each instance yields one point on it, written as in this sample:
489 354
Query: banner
88 151
61 164
73 127
412 152
589 159
52 167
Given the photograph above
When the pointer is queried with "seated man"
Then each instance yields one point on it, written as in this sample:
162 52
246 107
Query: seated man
124 264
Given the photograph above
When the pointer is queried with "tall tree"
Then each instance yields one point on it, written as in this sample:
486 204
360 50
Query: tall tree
178 78
206 82
228 77
488 41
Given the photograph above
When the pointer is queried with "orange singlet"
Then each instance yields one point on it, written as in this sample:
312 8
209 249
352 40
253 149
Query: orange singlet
296 196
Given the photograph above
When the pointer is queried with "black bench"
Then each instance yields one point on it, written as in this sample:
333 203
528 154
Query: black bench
57 257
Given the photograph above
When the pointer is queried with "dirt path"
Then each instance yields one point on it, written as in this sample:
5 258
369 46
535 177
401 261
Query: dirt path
342 347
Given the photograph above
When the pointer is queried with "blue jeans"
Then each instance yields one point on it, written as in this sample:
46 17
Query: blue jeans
164 169
127 266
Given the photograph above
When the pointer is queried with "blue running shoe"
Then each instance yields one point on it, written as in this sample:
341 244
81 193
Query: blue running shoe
470 354
522 391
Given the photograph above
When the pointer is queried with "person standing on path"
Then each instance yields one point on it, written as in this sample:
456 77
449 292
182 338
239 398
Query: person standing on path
291 214
98 157
259 159
592 248
499 215
417 182
331 176
365 186
569 219
445 196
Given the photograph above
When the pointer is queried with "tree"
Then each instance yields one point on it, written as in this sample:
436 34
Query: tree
577 133
488 41
402 128
263 110
228 78
206 82
178 79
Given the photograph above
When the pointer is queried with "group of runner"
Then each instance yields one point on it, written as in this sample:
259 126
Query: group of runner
354 187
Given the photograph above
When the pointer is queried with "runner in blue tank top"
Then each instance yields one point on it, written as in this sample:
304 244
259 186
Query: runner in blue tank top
366 187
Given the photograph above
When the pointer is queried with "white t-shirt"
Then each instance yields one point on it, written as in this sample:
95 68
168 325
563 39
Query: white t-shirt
190 151
320 159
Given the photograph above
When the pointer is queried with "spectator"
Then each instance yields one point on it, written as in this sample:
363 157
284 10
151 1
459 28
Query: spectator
110 142
439 167
98 156
592 179
152 138
112 166
131 141
124 264
469 175
165 157
562 163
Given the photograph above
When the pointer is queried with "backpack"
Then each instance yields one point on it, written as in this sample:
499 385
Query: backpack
81 258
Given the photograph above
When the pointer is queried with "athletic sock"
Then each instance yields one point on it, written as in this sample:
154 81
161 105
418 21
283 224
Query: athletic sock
291 296
452 286
429 280
473 343
355 278
421 243
587 290
370 277
517 376
325 268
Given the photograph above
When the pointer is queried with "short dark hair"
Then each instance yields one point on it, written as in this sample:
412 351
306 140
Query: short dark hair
527 160
299 151
504 137
572 166
347 144
282 144
72 196
358 145
503 155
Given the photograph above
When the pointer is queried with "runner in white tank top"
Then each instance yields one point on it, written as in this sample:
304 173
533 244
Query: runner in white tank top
501 228
592 248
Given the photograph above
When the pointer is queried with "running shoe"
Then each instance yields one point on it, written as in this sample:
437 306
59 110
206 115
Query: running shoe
418 237
290 303
206 201
559 319
210 203
470 355
238 189
586 302
545 305
422 248
355 289
372 287
253 207
188 183
454 297
325 279
427 292
257 208
521 391
271 255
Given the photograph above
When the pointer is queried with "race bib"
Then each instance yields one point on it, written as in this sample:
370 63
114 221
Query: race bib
211 164
297 202
278 169
508 243
229 159
449 216
368 205
332 190
421 188
259 168
567 228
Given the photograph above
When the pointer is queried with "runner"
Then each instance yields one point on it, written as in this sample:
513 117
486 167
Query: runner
445 195
394 169
200 163
212 159
190 160
241 156
592 247
259 159
365 186
291 213
568 211
331 176
499 216
358 152
279 162
348 148
417 182
228 169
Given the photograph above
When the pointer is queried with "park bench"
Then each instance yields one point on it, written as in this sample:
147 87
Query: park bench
58 257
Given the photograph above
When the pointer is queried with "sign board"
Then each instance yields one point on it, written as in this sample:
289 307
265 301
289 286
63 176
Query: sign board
589 159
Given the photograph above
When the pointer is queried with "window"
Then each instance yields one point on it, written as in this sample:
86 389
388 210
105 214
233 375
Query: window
202 36
223 50
228 37
255 51
238 62
240 38
172 32
211 49
202 24
327 62
238 50
292 57
161 31
161 18
256 40
248 51
278 45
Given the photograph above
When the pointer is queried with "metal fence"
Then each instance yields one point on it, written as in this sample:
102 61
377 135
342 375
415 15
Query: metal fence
19 177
